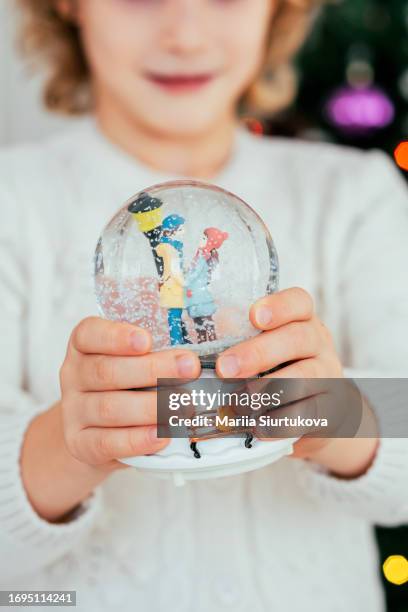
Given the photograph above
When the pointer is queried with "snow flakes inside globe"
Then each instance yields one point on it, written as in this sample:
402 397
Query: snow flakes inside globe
185 260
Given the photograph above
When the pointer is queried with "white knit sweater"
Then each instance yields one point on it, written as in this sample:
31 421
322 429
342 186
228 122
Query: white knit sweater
286 537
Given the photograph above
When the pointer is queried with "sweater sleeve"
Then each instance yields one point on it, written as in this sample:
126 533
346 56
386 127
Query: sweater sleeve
373 290
26 540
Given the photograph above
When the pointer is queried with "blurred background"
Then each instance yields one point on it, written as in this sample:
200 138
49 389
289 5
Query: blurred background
353 78
353 90
353 75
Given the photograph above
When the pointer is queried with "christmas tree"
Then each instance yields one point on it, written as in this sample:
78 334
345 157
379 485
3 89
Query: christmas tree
353 74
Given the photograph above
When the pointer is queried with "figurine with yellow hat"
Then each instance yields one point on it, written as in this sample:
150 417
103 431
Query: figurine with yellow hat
147 212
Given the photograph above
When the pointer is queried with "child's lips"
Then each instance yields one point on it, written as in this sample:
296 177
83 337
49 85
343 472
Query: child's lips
180 82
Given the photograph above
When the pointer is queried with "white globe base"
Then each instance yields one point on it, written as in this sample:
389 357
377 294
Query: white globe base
220 457
224 456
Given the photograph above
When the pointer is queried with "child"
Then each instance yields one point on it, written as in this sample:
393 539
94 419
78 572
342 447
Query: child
162 82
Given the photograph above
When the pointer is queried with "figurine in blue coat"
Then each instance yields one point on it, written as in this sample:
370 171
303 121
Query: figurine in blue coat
170 249
199 301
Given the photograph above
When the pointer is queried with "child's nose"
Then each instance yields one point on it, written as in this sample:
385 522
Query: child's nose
184 26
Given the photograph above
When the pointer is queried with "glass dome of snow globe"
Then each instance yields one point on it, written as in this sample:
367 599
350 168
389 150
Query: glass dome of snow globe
185 260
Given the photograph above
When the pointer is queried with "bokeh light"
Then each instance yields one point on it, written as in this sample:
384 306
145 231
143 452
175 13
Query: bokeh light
401 155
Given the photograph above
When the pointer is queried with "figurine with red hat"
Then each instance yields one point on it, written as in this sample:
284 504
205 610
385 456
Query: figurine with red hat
199 301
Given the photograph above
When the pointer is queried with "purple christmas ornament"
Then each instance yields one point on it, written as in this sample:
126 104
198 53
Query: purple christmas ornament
361 109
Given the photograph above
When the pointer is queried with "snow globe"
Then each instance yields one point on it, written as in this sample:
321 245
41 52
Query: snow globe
185 260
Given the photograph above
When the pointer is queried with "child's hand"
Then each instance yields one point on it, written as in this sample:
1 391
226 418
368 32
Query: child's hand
75 443
292 333
103 417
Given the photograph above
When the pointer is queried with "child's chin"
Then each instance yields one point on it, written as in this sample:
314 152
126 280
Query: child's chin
183 121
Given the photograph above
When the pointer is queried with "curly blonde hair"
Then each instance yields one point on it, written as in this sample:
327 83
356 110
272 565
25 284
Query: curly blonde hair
46 36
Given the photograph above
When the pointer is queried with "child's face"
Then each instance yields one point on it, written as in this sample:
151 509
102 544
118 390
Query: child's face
131 44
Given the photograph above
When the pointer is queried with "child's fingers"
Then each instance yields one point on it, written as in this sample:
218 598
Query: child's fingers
101 337
298 340
107 373
289 305
302 370
118 409
98 445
